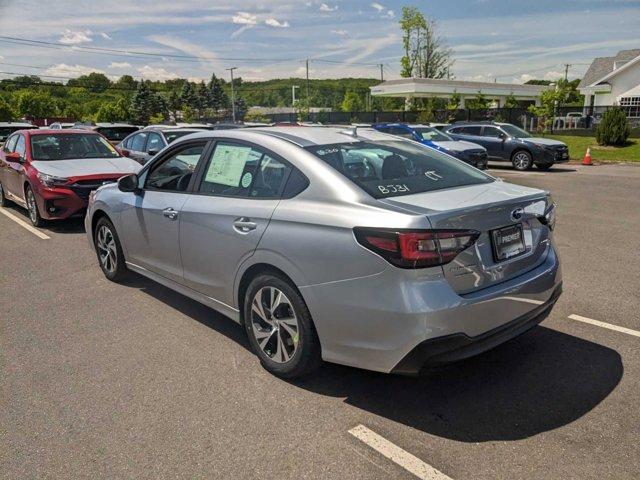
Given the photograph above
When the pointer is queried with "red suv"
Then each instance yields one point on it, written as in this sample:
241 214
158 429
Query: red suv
52 172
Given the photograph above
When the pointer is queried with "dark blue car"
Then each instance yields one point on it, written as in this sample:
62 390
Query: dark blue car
468 152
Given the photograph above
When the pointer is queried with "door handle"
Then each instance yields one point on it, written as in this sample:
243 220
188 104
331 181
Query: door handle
170 213
244 225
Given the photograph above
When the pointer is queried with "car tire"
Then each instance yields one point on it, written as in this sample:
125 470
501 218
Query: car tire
32 208
280 328
522 160
4 201
109 251
545 167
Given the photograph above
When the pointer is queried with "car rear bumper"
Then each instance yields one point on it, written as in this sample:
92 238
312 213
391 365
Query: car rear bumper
375 322
459 346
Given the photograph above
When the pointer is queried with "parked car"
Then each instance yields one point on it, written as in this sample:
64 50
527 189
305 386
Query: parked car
144 144
571 120
507 143
114 132
344 245
52 172
472 153
7 128
59 126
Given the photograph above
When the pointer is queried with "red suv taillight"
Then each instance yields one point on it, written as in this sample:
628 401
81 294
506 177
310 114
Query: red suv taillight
416 248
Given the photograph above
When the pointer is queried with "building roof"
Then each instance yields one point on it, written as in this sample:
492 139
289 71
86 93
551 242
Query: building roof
432 86
603 66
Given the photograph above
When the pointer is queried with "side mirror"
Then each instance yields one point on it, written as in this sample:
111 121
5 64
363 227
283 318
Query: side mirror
128 183
152 151
14 157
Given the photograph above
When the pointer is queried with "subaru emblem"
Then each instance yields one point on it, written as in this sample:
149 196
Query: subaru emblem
517 214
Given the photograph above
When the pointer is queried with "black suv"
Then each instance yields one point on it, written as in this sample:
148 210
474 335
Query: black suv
507 143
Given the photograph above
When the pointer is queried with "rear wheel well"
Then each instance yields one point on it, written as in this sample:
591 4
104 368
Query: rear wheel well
252 272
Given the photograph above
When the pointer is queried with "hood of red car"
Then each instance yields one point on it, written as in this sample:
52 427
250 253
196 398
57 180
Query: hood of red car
87 166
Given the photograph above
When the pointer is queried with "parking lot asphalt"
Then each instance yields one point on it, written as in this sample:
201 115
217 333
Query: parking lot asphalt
136 381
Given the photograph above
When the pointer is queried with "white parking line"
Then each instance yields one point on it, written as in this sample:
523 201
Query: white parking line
598 323
24 224
397 455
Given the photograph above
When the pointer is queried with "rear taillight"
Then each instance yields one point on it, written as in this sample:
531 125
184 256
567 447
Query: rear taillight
416 248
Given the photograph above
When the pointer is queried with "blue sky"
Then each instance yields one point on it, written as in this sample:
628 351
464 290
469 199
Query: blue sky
511 41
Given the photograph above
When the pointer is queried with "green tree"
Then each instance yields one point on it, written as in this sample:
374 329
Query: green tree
113 111
188 96
36 104
480 101
126 82
143 104
511 102
202 99
73 111
614 128
352 102
6 112
174 105
217 96
426 54
94 82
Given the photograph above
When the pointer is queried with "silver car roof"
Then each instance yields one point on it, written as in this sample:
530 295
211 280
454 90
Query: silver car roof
302 136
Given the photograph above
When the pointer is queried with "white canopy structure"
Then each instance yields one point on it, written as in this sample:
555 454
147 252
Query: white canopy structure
443 88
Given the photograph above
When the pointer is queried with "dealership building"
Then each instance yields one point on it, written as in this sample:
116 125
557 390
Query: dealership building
445 88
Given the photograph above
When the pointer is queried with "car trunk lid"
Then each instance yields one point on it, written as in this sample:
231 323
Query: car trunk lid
485 208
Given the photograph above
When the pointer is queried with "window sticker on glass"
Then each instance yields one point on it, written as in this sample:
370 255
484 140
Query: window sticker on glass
227 165
246 180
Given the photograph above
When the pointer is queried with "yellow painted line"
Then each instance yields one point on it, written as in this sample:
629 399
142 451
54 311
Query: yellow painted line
608 326
24 224
409 462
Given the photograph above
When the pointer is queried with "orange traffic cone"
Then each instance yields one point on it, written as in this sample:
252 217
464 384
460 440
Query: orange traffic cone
587 158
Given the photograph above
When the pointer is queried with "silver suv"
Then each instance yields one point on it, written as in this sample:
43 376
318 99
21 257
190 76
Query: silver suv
350 246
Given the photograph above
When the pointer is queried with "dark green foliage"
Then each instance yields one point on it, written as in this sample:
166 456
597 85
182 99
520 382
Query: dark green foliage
94 82
614 128
146 104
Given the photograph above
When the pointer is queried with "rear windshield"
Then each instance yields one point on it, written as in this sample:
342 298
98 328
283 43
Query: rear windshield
173 135
430 133
67 146
116 133
393 168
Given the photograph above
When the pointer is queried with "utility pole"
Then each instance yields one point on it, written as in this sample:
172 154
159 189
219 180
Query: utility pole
566 71
381 72
307 63
233 96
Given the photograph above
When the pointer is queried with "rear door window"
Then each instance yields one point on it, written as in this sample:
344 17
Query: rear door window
138 141
470 131
394 168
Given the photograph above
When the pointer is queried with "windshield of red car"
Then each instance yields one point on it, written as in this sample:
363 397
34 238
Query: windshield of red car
67 146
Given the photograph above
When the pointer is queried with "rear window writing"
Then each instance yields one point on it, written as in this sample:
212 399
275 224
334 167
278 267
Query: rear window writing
388 168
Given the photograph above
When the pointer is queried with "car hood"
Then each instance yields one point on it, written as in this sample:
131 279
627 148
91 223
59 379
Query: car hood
458 146
87 166
544 141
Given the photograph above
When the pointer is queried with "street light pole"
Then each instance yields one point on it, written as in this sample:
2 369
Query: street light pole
233 96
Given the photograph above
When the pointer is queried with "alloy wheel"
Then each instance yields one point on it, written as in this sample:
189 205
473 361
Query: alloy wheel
521 160
107 249
274 324
32 207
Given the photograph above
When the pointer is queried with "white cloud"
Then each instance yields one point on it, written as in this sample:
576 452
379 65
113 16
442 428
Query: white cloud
183 45
156 73
272 22
119 65
378 7
390 14
341 33
75 37
245 18
64 70
382 10
106 36
326 8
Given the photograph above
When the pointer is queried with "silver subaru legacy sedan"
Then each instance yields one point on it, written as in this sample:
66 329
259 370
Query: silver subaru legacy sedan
345 245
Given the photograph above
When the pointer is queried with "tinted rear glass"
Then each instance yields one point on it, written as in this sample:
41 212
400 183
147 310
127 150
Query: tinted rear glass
171 136
389 168
116 133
